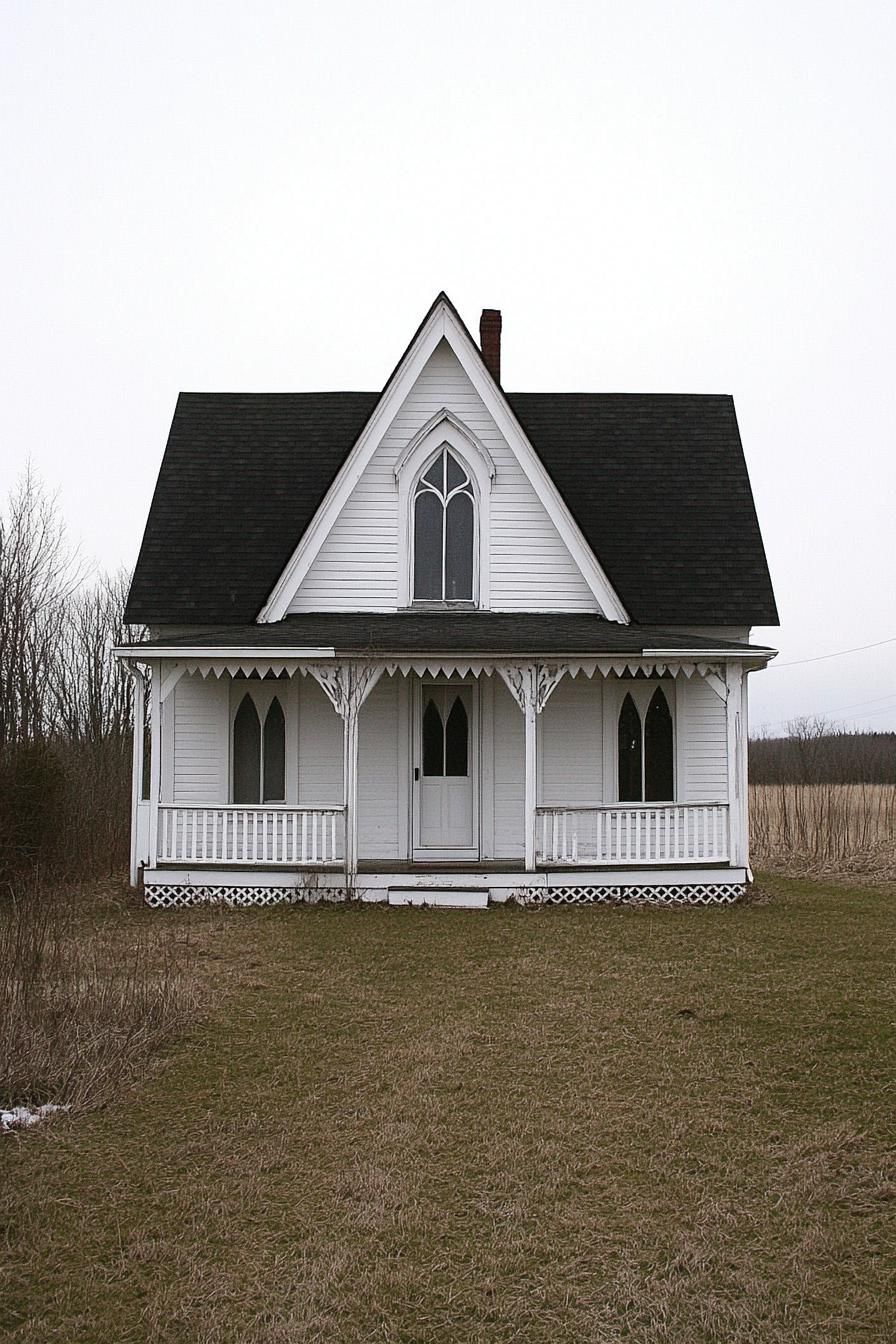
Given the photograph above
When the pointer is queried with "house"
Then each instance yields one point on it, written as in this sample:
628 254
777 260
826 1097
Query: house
446 642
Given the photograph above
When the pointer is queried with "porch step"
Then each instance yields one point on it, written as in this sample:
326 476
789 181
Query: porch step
447 897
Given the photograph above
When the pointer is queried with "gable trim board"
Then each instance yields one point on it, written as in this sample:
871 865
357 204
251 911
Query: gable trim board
441 323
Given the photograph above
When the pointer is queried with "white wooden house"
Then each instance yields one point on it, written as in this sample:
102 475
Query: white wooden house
447 642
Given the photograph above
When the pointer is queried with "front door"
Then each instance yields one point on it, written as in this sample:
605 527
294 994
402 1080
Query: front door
445 771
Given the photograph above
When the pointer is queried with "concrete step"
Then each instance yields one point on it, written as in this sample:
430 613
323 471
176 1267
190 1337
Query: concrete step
449 898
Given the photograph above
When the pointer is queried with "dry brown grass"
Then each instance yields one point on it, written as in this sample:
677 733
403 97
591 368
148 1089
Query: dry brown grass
824 829
85 999
654 1127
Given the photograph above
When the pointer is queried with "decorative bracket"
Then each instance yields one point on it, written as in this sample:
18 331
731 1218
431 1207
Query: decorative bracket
531 684
347 685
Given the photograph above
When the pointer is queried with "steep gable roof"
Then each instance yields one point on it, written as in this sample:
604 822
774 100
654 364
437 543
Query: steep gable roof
442 324
656 484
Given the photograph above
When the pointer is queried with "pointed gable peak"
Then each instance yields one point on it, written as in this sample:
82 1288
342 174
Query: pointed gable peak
442 322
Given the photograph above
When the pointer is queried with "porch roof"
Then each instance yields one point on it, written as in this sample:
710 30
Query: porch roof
391 634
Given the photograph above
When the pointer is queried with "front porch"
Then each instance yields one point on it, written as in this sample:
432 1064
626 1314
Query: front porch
314 838
401 773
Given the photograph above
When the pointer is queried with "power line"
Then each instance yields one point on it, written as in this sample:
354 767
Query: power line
867 714
858 704
839 654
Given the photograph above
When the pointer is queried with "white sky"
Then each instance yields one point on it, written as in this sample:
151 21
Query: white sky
688 197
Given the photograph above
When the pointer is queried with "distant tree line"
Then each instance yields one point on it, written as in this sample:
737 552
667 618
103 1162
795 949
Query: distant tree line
817 752
66 706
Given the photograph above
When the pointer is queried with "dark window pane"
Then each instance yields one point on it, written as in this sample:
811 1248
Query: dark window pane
459 549
433 741
428 514
274 754
455 474
629 752
456 735
435 475
658 771
246 753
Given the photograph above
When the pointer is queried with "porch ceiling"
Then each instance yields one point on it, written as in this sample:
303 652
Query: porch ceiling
393 634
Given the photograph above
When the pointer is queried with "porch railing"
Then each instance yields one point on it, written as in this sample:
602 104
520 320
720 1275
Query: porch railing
257 835
633 833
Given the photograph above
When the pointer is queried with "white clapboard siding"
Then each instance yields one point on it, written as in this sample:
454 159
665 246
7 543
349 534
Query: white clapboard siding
200 741
378 772
320 748
356 569
701 719
509 775
571 744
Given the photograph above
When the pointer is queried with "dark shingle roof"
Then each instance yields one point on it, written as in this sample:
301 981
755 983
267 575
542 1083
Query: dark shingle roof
457 632
657 484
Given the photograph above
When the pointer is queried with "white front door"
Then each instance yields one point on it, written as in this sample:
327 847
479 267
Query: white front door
446 761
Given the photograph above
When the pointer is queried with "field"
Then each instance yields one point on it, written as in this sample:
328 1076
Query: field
824 828
548 1125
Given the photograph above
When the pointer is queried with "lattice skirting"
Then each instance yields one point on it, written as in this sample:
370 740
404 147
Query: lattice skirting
171 897
174 897
717 893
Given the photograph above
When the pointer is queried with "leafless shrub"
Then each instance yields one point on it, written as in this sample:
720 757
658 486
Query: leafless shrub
79 1011
824 828
66 706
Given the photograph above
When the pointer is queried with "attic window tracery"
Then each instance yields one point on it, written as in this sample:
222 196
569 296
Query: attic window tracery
444 532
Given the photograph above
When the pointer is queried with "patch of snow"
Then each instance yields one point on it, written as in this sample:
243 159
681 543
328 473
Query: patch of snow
21 1117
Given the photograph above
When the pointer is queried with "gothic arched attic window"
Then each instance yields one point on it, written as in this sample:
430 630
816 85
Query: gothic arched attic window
444 532
259 753
646 751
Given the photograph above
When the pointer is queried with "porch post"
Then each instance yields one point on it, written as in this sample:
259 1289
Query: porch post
347 686
735 727
155 757
136 765
743 774
531 802
531 686
350 790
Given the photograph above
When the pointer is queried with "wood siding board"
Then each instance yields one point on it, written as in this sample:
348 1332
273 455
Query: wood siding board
704 744
198 709
378 767
509 774
320 748
571 744
357 568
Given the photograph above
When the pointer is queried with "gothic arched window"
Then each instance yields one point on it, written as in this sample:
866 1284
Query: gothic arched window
444 532
645 751
658 765
259 753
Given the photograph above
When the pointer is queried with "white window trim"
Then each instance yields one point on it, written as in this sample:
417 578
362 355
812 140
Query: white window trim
262 693
641 690
445 433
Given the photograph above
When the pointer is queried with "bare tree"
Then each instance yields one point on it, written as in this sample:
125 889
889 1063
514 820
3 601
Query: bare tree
39 572
92 694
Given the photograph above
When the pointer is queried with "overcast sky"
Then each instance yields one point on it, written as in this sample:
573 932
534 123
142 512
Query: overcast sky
687 197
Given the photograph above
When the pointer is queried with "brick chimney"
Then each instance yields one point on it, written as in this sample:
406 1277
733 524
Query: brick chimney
490 341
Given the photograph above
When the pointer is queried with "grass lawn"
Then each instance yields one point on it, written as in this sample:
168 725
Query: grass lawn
555 1125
